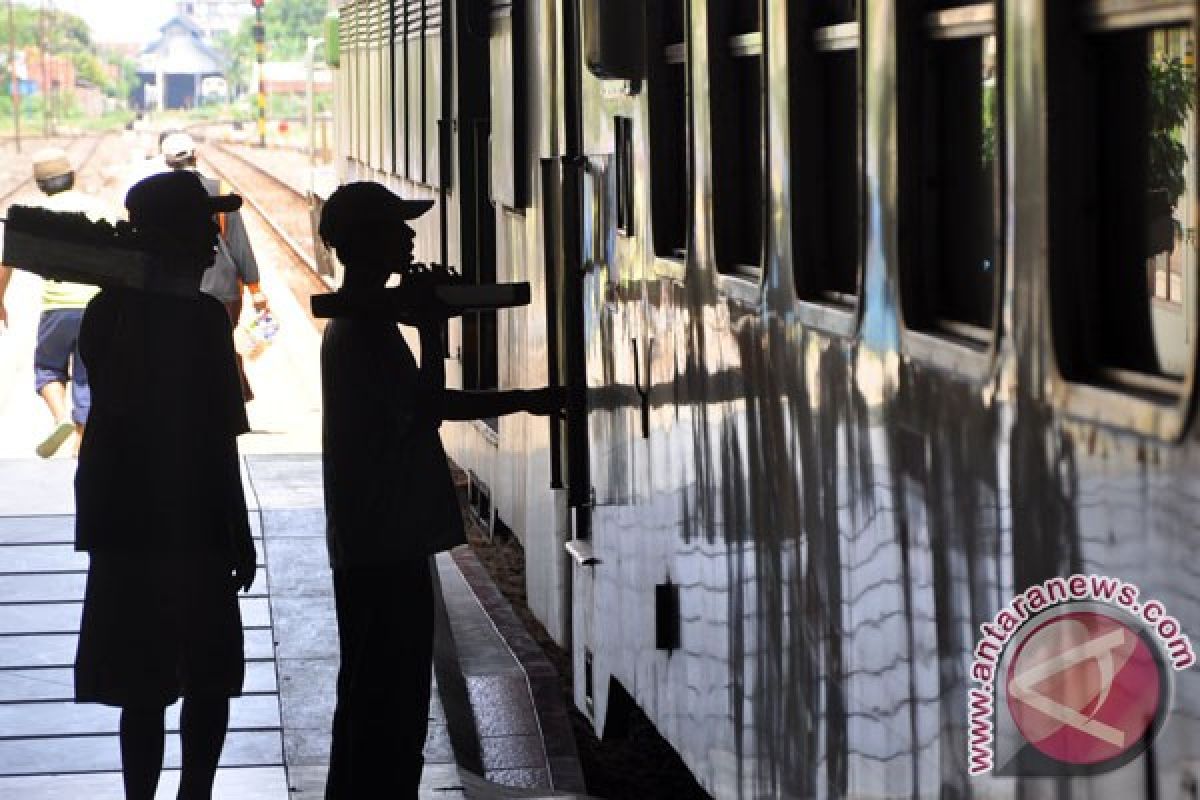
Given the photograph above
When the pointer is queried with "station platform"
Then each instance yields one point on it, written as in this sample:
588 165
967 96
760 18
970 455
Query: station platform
498 728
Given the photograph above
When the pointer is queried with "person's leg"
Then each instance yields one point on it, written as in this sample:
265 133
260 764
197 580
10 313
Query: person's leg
142 733
55 341
394 680
338 784
81 392
202 724
54 394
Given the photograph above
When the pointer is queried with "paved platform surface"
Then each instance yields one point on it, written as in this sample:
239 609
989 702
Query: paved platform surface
496 741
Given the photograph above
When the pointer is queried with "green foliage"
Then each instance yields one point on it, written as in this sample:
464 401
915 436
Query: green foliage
288 24
238 51
88 67
62 33
1172 96
989 124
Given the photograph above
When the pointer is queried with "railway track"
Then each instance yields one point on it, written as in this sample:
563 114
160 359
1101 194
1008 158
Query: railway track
80 150
283 210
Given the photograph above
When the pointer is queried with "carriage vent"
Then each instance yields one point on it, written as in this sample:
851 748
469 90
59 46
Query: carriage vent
433 19
413 18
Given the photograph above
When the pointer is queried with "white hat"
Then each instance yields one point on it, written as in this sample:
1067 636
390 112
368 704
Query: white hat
177 145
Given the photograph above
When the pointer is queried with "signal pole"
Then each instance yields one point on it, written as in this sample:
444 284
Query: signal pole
260 46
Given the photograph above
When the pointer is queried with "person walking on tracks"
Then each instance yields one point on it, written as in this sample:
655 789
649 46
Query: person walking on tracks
390 501
160 508
235 266
56 361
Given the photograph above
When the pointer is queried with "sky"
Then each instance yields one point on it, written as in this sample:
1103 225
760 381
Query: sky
118 20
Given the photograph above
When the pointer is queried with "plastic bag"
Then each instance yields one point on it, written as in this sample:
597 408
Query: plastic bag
254 337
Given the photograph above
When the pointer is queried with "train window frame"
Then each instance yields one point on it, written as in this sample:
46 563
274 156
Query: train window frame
1084 378
932 327
670 52
813 44
623 162
510 131
729 52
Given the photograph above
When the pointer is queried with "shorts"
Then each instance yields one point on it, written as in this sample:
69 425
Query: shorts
56 358
158 627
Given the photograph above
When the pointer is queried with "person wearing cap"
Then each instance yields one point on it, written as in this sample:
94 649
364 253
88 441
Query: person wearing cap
160 507
390 501
235 265
56 361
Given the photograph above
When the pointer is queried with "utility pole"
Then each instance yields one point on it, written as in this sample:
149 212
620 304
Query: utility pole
45 72
260 46
14 84
310 59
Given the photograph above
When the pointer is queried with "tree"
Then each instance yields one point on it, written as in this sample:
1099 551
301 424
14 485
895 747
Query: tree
1172 97
238 51
288 25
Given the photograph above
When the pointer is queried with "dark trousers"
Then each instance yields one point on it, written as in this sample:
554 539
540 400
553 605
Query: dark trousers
385 631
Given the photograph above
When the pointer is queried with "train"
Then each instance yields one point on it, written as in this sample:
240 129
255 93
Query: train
872 314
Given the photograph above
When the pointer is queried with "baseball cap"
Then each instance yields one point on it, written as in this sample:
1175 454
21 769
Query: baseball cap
362 203
171 198
177 145
50 162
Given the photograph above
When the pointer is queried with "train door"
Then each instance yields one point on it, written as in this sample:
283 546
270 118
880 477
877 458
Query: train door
477 221
568 325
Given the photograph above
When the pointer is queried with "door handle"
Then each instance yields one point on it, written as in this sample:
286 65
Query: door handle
643 393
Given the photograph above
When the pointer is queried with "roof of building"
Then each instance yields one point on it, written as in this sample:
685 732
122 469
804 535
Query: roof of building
180 50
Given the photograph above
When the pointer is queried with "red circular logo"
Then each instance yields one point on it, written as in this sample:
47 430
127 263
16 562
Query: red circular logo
1084 688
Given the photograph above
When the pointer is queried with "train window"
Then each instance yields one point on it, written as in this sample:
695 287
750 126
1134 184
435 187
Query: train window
509 148
433 88
624 170
737 119
826 152
414 59
949 274
669 149
1122 181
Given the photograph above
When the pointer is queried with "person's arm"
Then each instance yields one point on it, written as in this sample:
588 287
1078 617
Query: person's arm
461 405
242 254
241 540
5 277
433 367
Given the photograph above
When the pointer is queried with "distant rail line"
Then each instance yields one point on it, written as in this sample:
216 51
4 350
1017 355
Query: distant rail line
283 209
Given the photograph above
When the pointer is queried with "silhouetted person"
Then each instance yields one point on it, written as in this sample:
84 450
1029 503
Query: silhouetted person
235 266
389 498
159 502
56 361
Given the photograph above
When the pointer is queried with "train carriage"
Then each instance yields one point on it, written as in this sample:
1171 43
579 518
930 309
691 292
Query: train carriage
873 315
